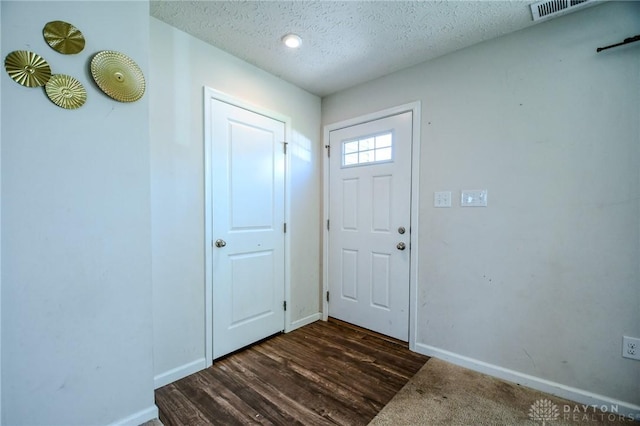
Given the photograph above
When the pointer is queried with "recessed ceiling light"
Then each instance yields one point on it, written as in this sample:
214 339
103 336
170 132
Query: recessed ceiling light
292 40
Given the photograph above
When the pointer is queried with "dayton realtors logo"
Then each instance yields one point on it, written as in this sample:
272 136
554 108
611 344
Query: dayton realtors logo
543 410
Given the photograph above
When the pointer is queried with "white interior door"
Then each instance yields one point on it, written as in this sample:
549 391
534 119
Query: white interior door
248 182
369 232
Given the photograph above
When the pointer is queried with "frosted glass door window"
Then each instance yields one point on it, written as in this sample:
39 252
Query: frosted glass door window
372 149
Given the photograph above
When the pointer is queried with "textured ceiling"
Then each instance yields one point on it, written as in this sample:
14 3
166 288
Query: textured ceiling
344 43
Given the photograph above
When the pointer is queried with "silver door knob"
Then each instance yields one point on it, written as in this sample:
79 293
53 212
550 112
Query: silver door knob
401 246
220 243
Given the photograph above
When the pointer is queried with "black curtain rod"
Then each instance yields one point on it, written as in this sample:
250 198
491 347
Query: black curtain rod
626 41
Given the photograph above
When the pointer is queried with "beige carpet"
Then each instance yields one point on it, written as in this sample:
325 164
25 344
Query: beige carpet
445 394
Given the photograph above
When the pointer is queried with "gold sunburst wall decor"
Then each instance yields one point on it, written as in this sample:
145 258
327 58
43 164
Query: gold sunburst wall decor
63 37
118 76
27 68
65 91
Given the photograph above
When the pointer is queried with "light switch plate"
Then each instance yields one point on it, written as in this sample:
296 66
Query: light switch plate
474 198
442 199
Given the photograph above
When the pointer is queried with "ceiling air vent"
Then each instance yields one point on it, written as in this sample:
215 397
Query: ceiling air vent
552 8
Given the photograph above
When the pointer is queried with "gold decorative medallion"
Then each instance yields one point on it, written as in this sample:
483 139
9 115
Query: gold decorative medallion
63 37
118 76
65 91
27 68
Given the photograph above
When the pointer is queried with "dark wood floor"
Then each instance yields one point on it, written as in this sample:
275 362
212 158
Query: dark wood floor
326 373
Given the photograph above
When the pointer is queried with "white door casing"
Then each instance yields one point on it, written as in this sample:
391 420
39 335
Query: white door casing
370 224
245 229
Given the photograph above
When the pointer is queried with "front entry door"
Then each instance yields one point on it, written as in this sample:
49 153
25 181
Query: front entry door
369 228
248 182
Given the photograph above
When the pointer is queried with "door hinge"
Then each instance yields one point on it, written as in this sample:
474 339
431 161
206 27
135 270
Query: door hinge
284 305
284 146
328 150
327 296
327 224
285 227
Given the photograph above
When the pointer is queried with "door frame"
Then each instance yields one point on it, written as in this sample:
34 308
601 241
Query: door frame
415 108
212 94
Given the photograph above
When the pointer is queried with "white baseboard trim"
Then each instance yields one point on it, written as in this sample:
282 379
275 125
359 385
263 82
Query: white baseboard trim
304 321
179 372
200 364
138 418
567 392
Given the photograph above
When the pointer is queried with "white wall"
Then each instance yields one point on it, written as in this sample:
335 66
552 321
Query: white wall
181 66
544 281
76 232
1 240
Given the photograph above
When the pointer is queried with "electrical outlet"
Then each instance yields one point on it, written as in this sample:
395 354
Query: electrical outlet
442 199
631 347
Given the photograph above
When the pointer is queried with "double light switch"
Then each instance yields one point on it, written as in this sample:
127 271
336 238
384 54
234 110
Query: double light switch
468 198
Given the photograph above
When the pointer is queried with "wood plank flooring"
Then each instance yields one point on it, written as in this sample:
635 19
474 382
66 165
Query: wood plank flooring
326 373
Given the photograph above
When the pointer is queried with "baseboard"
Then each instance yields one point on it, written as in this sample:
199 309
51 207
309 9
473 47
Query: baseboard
567 392
200 364
179 372
305 321
138 418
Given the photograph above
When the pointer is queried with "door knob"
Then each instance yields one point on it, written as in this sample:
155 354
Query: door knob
401 246
221 243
